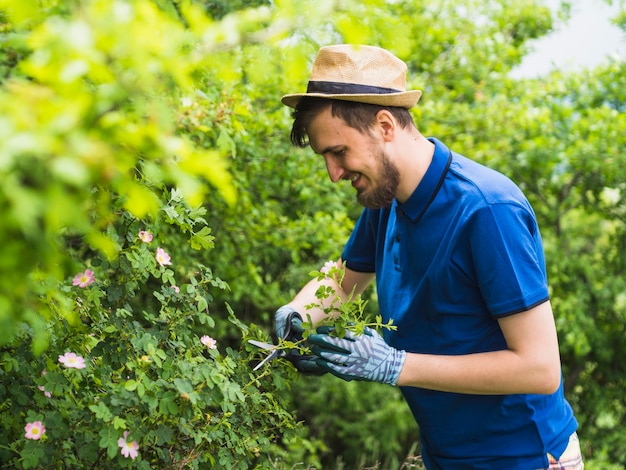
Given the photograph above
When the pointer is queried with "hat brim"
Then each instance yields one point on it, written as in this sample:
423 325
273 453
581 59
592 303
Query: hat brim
402 99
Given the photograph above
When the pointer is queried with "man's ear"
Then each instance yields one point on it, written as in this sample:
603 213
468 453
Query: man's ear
386 124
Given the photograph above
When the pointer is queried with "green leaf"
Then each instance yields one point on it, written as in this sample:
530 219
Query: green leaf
202 239
202 304
225 143
31 455
183 386
130 385
119 423
101 411
108 440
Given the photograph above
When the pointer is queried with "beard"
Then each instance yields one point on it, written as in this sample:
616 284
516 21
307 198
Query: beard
381 195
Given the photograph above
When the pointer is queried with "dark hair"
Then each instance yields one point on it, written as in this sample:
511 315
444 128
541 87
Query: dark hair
359 116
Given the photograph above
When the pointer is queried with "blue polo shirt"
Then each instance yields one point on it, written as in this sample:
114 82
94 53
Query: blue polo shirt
461 252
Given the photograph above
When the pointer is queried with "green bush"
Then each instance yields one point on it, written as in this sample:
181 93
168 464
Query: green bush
141 321
362 425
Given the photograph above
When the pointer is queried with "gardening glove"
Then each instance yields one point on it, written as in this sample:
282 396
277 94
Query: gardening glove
365 357
288 324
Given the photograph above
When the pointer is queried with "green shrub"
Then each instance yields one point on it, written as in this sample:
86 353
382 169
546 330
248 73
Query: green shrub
187 401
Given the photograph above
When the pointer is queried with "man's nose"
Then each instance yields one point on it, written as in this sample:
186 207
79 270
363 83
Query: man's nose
335 171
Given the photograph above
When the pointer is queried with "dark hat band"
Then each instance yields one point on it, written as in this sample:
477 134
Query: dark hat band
339 88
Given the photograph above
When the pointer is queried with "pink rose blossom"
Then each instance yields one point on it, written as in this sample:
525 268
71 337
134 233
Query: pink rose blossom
162 257
34 430
72 361
129 449
208 342
145 237
176 289
48 394
84 279
328 266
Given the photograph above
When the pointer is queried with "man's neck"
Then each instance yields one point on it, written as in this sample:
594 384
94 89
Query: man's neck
414 154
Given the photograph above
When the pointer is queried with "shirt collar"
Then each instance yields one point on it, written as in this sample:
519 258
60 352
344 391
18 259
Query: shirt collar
427 189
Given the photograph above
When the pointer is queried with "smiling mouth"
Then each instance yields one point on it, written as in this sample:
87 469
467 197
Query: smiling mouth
354 179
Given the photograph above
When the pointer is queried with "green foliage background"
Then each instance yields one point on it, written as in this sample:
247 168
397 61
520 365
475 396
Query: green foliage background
164 115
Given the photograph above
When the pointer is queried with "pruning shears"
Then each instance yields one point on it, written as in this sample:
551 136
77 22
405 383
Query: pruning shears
293 328
275 352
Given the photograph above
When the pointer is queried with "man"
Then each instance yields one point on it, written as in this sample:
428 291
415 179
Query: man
459 267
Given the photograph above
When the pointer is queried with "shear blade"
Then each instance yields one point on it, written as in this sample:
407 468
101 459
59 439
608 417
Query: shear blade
261 344
269 358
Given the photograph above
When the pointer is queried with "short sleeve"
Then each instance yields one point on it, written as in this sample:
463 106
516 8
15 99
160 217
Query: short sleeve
508 259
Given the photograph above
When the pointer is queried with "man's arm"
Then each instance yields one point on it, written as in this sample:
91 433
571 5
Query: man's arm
531 364
353 281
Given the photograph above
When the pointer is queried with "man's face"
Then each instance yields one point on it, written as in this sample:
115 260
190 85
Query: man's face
356 157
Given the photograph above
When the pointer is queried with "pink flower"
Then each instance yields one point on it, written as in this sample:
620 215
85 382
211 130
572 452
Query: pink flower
34 430
176 289
328 266
72 361
145 237
129 449
48 394
208 342
84 279
162 257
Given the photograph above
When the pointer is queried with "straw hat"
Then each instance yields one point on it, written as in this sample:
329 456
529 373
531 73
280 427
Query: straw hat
365 74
